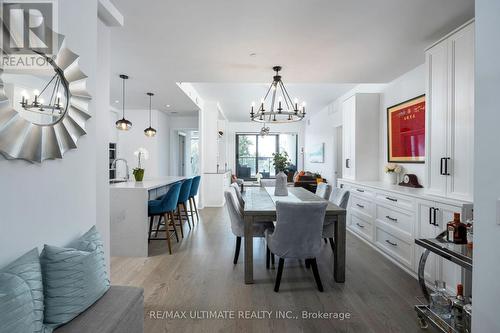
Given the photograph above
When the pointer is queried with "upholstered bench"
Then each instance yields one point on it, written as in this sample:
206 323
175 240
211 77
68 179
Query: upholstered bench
120 310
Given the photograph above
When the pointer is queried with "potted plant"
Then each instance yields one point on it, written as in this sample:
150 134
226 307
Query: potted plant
281 163
141 154
392 170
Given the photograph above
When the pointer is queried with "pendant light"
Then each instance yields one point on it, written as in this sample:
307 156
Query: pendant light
150 131
123 124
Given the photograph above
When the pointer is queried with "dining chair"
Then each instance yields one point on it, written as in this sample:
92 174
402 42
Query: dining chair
297 235
324 190
237 223
237 190
181 203
268 182
192 193
339 197
164 208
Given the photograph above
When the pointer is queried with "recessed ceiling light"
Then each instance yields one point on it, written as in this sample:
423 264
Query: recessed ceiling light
117 101
168 105
253 54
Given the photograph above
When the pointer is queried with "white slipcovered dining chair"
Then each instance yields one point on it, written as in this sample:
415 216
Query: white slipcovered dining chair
324 190
297 235
339 197
237 223
237 190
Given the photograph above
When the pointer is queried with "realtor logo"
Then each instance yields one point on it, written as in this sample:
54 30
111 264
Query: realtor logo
27 29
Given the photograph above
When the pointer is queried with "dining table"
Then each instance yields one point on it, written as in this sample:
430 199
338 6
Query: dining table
260 207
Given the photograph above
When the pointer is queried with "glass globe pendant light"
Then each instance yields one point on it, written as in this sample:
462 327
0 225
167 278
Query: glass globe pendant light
150 131
123 124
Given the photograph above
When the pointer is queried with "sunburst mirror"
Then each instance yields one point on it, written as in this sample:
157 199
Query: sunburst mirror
43 112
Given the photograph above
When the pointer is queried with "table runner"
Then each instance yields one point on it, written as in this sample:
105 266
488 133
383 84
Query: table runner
289 198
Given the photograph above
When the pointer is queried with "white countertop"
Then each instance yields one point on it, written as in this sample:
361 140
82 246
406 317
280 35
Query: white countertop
147 184
410 191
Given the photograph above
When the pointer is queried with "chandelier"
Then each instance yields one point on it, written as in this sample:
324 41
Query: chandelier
264 130
281 109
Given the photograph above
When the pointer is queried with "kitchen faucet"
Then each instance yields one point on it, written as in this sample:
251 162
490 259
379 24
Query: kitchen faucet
113 164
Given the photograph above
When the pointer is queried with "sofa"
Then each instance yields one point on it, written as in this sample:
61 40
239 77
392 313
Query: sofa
120 310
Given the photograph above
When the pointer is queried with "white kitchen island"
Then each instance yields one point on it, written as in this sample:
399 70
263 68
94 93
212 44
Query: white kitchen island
129 214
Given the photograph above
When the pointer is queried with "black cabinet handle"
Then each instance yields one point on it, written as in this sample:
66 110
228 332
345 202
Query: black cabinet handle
434 217
441 166
391 199
360 206
446 172
391 218
347 163
360 190
430 214
360 225
389 242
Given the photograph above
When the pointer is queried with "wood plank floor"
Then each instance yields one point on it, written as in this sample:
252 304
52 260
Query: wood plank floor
200 276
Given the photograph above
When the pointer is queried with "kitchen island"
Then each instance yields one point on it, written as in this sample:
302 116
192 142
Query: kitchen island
129 214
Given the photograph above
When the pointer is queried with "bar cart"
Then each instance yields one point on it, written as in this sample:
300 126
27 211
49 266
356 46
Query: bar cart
456 253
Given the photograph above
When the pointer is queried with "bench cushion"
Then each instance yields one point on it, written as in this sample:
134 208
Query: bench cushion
121 309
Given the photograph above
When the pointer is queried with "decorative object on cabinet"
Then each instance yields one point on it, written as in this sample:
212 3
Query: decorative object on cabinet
410 180
142 154
406 131
392 171
317 154
150 131
282 109
47 128
281 163
123 124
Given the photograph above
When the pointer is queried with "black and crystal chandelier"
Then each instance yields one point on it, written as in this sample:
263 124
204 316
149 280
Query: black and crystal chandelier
281 108
264 130
123 124
150 131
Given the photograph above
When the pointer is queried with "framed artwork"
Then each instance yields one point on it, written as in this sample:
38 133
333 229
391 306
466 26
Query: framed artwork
317 154
406 131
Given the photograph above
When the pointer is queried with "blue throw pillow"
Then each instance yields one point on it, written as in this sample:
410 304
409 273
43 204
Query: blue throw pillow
21 295
73 278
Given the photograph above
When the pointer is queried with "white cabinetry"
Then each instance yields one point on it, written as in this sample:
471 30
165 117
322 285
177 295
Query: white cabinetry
215 184
390 217
360 114
450 115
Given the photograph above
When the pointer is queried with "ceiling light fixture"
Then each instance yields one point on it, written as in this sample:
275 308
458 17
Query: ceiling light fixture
150 131
264 130
123 124
282 109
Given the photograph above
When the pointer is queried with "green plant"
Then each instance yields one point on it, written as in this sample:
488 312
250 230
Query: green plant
281 161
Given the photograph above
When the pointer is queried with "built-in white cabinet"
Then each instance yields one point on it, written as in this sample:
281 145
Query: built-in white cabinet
360 114
390 217
450 115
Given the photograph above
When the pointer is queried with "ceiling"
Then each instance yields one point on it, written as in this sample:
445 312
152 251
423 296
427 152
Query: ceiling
219 43
235 98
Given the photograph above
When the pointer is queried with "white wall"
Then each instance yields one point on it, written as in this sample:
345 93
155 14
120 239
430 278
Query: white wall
60 194
252 127
320 126
486 289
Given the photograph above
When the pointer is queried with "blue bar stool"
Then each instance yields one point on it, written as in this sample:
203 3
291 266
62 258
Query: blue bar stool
181 203
194 192
164 207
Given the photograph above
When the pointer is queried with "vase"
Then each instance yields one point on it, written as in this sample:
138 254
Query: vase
138 175
391 178
280 189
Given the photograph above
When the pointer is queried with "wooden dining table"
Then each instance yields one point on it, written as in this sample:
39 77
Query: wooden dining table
260 206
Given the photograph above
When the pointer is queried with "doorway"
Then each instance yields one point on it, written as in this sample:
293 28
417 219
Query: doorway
337 154
182 154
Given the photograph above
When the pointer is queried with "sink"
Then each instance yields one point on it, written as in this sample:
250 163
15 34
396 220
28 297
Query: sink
116 181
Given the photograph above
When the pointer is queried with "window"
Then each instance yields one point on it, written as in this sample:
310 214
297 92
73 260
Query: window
254 153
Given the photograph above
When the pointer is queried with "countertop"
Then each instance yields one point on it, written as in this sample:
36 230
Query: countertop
147 184
421 193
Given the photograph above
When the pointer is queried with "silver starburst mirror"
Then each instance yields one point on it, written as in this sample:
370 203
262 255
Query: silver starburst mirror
43 112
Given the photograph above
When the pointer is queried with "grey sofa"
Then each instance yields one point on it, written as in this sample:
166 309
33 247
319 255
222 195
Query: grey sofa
120 310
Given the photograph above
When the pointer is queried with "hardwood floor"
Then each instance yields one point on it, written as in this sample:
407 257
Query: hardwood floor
200 276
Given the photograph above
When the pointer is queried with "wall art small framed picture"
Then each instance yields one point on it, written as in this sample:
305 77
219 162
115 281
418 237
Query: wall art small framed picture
317 154
406 131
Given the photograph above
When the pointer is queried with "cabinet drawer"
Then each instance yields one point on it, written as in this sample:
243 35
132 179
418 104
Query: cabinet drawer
395 200
394 246
361 227
362 191
362 206
395 218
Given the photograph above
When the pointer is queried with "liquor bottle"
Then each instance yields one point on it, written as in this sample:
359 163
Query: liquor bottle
457 309
440 301
456 230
